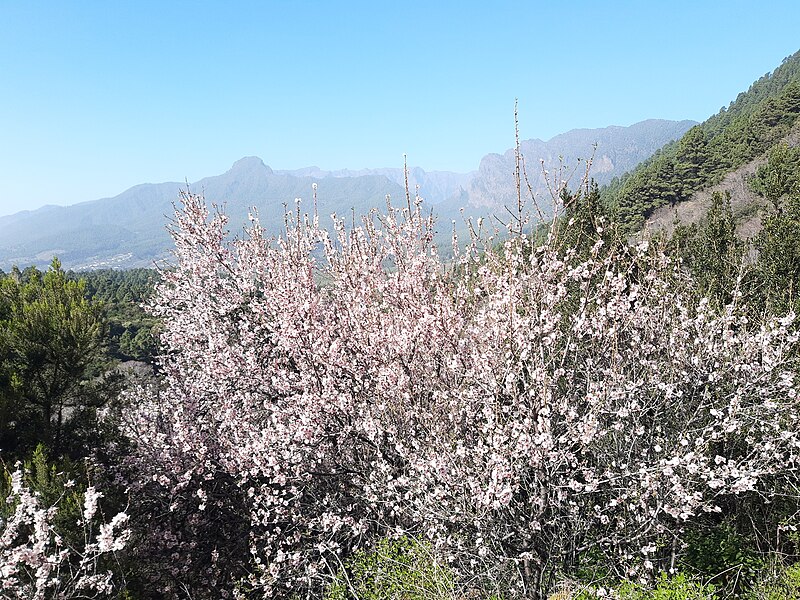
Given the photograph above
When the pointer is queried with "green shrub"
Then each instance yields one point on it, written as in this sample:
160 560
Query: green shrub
394 569
785 583
54 484
677 587
726 556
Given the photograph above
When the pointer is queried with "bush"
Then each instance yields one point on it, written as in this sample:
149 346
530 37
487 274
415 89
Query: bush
724 555
394 569
784 584
679 587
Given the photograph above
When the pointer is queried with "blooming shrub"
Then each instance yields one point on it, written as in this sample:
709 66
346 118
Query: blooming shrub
516 409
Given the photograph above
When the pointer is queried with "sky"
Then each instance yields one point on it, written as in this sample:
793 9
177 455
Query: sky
96 97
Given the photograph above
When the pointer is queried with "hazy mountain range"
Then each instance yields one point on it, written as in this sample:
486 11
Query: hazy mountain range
129 229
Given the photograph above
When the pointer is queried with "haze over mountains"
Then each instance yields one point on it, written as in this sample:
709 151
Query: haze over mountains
128 230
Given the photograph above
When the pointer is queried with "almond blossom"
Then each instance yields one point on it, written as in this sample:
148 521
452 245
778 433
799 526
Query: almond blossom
36 563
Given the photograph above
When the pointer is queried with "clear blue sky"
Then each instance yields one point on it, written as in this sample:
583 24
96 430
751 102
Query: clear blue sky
98 96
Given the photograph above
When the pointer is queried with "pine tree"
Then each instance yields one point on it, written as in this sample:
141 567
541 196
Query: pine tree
51 381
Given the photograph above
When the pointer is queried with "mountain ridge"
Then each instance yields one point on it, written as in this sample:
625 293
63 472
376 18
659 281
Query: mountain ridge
128 230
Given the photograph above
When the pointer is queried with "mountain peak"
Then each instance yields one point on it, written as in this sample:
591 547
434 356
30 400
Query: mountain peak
250 163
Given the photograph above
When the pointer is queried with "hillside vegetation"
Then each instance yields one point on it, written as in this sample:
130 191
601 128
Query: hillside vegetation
746 129
566 416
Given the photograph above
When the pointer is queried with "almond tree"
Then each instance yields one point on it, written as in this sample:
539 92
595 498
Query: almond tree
519 409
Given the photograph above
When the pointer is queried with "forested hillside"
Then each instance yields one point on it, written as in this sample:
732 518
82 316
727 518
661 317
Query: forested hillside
122 294
754 122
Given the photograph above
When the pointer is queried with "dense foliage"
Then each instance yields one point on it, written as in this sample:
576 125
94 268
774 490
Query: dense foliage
55 378
778 243
712 251
55 542
767 268
351 416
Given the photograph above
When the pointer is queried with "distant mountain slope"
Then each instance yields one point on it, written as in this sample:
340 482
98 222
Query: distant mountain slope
738 134
129 230
434 186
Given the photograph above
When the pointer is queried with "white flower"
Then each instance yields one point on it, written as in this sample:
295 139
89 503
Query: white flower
90 498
